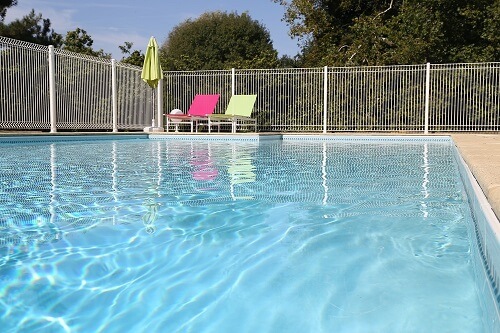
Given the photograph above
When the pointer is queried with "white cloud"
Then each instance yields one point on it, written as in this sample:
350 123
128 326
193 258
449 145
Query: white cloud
110 42
60 20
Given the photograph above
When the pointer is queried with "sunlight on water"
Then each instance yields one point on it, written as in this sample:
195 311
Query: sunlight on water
159 236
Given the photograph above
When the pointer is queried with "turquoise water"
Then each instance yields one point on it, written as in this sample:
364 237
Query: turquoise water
163 236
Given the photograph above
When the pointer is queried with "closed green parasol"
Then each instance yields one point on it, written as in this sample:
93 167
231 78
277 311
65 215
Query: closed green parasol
151 70
152 74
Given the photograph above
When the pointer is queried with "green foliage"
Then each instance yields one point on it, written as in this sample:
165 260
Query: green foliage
134 57
79 41
491 32
31 28
288 62
34 28
350 32
4 4
218 40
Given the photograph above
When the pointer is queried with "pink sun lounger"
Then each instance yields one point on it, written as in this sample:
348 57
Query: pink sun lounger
201 107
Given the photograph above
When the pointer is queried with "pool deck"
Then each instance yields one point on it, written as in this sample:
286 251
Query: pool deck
481 152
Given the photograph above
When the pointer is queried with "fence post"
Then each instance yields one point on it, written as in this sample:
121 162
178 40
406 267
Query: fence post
325 98
159 101
427 92
114 97
52 90
232 81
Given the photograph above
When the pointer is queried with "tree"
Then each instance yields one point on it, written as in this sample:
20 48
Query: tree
4 4
134 57
31 28
491 32
34 28
288 62
79 41
350 32
218 40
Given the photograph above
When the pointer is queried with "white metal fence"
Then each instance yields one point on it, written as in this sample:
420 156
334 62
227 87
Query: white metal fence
46 88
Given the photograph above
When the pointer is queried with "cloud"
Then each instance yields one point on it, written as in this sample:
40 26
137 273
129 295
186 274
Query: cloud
61 20
110 41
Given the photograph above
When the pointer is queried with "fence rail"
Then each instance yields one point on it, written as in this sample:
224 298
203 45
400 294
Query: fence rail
43 88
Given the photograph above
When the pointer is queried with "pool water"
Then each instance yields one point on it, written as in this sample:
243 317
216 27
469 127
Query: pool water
278 236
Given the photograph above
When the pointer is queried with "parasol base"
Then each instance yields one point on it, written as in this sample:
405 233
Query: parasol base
153 129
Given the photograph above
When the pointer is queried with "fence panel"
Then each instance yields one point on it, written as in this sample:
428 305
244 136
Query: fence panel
389 98
179 88
83 91
465 97
287 99
24 85
135 98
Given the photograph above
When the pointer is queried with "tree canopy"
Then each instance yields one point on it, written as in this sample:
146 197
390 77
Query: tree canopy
34 28
352 32
218 40
31 28
332 32
4 4
79 41
135 57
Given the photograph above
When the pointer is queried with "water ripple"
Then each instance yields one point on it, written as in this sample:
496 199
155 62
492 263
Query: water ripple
215 237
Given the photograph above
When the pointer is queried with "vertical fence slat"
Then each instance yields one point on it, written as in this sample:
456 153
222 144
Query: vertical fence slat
427 97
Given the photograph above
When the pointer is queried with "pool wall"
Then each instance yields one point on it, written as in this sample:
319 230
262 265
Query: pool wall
367 138
217 137
68 137
487 233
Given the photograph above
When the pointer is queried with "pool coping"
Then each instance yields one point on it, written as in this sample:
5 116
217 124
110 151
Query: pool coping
481 153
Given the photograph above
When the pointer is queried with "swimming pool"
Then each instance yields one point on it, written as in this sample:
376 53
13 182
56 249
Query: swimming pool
248 236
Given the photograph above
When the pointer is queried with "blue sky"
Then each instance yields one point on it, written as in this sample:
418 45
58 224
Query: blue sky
110 23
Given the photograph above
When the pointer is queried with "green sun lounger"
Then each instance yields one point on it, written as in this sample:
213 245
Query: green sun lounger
238 114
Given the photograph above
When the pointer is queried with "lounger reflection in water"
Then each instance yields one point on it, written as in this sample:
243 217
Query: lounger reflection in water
241 171
204 168
201 107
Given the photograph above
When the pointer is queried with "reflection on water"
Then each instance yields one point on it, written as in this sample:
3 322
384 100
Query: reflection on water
162 236
23 233
150 216
240 170
117 183
202 163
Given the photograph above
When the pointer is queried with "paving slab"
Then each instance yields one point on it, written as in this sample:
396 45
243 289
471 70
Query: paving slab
481 152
